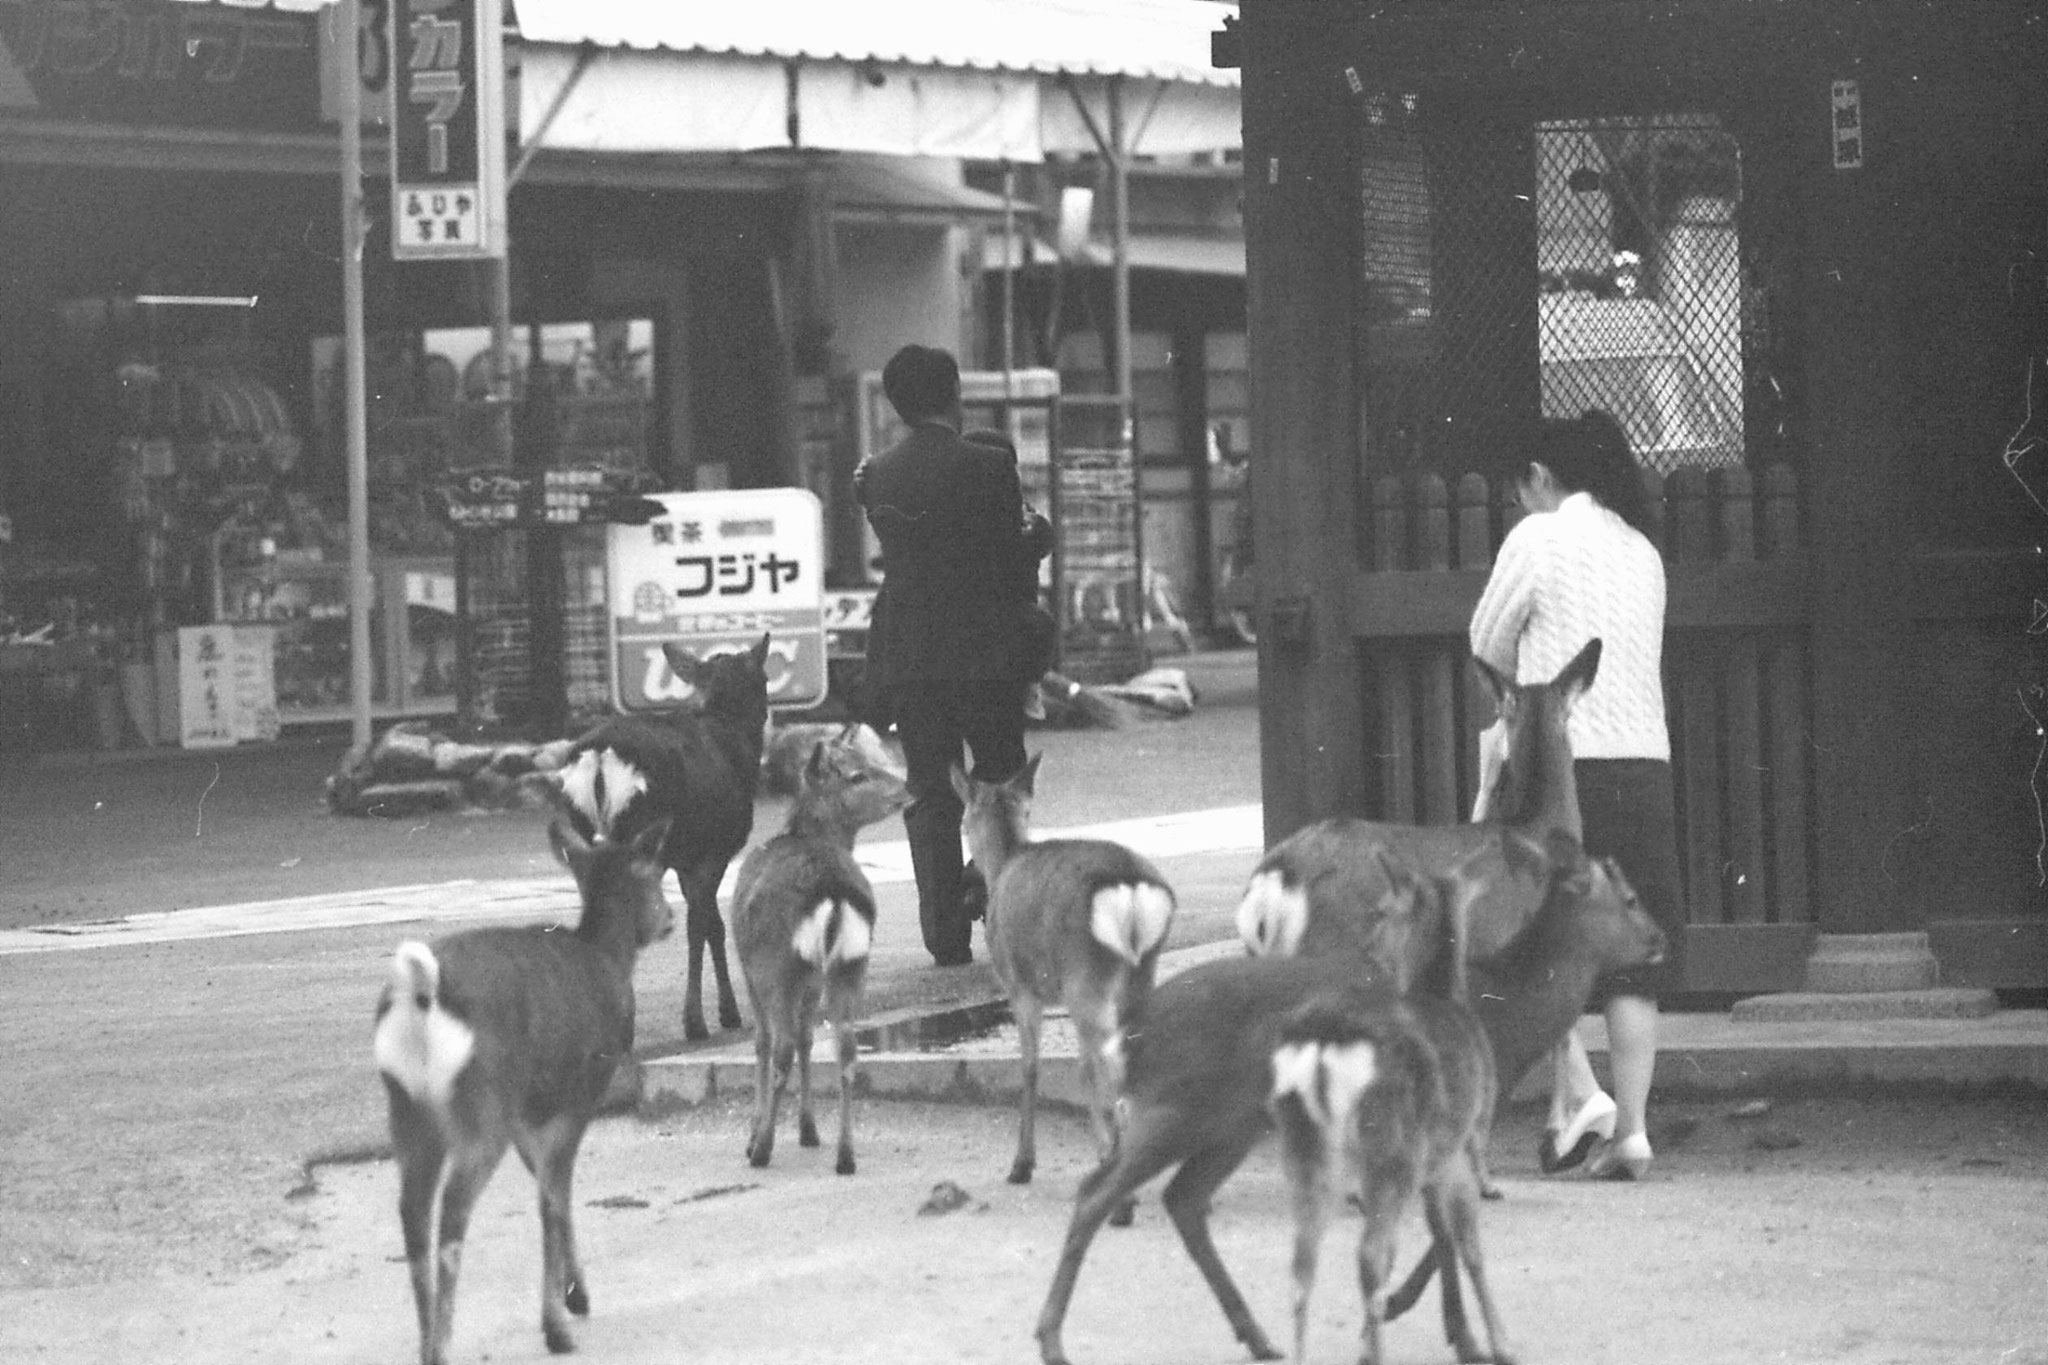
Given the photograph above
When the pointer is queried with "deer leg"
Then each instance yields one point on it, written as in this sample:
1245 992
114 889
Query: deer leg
550 1153
1459 1200
764 1135
761 1141
1148 1144
714 938
693 926
1187 1203
422 1156
1376 1259
1102 1071
1029 1012
1308 1186
842 1038
1457 1327
1404 1298
806 1121
469 1171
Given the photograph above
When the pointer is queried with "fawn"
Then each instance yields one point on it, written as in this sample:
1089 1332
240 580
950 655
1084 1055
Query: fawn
804 916
1201 1069
1327 887
1079 922
697 771
504 1036
1388 1098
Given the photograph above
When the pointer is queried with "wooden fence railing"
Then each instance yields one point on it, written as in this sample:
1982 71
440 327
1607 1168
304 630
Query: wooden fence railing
1735 666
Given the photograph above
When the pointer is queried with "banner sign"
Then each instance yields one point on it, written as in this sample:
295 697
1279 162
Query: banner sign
714 572
448 130
586 495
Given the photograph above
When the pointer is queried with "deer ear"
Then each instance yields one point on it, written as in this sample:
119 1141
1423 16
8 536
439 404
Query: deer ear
962 786
566 842
759 653
1026 780
685 664
814 770
649 842
1577 676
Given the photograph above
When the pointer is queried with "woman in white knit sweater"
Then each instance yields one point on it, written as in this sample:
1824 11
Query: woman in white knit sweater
1576 568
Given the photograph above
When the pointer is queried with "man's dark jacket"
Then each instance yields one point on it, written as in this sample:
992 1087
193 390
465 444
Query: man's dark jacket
949 515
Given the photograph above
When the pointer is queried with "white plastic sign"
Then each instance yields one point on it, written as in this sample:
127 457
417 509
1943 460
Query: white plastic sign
713 573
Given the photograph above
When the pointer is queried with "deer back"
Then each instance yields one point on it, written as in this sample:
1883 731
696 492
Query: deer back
1066 908
781 886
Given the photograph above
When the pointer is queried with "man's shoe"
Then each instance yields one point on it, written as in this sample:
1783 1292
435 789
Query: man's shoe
959 959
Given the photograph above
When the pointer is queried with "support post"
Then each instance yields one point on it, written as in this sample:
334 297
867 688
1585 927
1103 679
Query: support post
360 587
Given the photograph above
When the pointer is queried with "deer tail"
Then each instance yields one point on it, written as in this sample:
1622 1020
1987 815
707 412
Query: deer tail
1130 918
1272 916
418 1044
834 933
600 784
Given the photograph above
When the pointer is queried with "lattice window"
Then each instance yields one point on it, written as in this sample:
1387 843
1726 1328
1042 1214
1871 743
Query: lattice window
1641 305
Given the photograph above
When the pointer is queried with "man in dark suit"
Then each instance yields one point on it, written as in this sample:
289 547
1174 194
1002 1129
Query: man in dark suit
943 650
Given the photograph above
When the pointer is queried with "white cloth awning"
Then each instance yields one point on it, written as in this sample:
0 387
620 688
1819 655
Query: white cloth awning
1180 252
986 80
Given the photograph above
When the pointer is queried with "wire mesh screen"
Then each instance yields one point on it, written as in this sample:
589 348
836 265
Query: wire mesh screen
1448 288
1640 312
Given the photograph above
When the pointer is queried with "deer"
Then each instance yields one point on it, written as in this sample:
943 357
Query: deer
1389 1100
1200 1070
1078 922
1326 887
804 919
696 771
508 1036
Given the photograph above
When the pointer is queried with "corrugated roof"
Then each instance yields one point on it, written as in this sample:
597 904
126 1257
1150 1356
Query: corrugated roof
1155 39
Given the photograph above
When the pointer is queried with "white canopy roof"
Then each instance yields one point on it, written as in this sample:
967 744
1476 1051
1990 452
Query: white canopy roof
979 79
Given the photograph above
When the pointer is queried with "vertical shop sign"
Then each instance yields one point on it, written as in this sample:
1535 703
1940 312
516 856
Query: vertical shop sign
448 130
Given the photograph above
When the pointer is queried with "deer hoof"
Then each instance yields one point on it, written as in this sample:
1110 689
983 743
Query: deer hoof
1124 1214
694 1030
845 1166
558 1338
1260 1348
806 1133
728 1016
1020 1171
576 1299
758 1152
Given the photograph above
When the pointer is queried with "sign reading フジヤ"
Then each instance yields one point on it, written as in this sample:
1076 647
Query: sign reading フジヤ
714 572
448 130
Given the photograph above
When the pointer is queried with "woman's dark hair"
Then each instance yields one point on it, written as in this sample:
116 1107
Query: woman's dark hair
921 382
1590 454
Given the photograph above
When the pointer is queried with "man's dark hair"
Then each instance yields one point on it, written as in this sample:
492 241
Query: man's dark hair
921 382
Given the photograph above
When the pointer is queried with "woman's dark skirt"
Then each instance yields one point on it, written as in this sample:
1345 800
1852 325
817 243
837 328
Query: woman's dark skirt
1631 816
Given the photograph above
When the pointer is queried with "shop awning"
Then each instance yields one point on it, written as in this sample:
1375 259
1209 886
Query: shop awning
978 79
875 190
1182 253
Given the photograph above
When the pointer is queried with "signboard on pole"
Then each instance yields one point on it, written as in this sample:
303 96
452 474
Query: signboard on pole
713 572
448 130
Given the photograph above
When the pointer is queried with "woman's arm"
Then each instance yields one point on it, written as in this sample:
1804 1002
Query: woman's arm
1509 598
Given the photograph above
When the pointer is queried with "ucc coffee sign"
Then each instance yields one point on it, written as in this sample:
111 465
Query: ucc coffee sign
714 572
448 130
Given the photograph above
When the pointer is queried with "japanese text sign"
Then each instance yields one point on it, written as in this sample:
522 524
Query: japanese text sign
448 130
713 572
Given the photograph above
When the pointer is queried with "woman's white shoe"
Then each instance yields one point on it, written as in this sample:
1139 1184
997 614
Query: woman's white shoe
1563 1148
1623 1160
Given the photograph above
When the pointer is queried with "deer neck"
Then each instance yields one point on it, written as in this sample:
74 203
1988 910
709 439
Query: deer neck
823 821
1545 792
995 837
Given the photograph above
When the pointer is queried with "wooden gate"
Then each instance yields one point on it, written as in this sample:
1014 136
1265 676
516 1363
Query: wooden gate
1736 690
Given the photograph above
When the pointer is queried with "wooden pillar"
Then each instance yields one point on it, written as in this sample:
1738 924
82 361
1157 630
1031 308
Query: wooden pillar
1862 640
1301 217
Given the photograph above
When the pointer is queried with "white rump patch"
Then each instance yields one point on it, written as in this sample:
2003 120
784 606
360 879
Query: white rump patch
1131 919
1328 1078
1273 916
418 1044
601 784
815 943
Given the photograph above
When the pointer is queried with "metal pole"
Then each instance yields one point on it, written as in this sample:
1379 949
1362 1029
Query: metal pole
360 587
1120 270
1009 279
